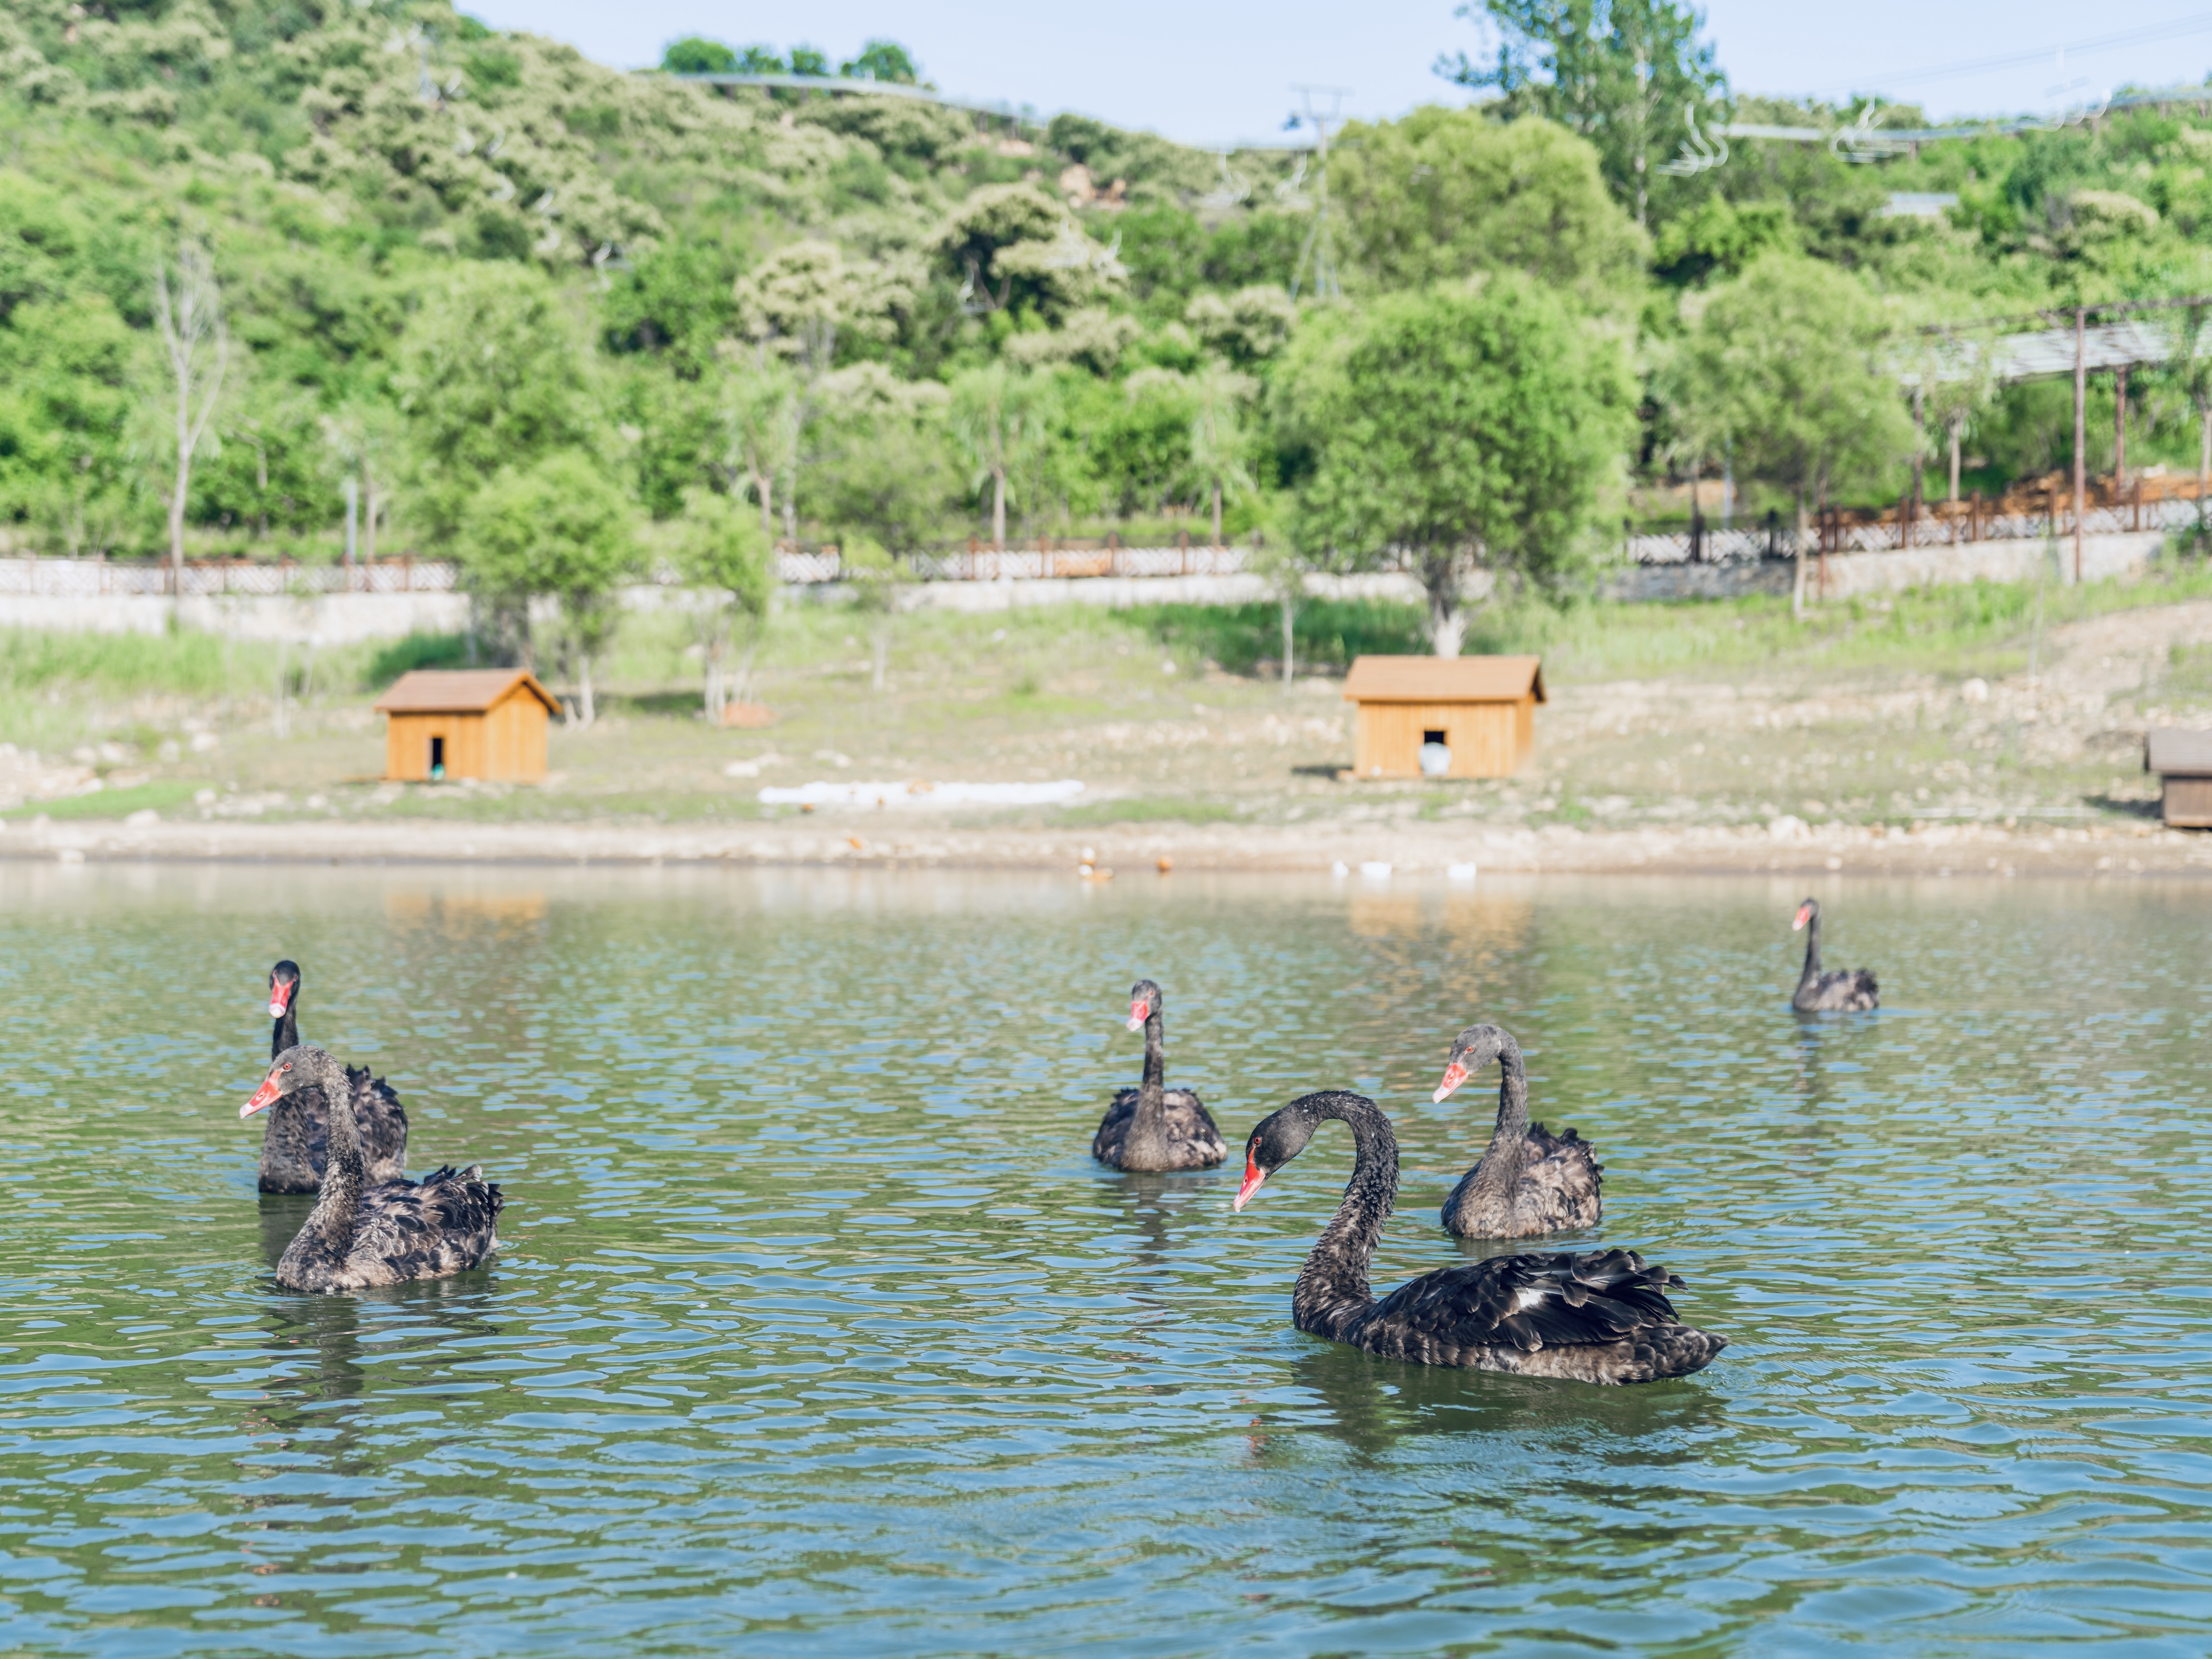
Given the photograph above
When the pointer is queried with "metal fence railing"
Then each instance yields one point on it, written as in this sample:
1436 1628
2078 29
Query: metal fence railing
1931 524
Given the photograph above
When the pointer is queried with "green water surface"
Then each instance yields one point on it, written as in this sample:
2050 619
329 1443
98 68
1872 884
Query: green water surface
816 1330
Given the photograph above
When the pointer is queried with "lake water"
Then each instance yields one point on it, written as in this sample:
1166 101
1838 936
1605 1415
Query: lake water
817 1330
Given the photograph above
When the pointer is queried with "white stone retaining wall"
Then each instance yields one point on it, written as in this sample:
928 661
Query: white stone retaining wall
347 618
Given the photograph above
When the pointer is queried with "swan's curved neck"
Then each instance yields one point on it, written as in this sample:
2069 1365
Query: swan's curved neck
285 1032
1501 1164
1812 948
330 1223
1332 1289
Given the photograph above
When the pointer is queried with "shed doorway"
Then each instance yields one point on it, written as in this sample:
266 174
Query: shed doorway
437 757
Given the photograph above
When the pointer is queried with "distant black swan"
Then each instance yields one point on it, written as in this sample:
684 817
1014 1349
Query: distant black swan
1599 1316
1848 989
1528 1180
1153 1127
386 1234
293 1140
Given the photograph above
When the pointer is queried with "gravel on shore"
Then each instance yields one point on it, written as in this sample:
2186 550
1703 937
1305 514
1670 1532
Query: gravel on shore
1786 844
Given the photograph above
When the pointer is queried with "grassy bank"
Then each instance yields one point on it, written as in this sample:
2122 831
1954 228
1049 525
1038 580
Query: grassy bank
1664 711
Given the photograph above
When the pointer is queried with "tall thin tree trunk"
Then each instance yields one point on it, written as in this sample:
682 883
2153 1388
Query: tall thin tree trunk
1217 513
376 505
998 512
1797 581
1955 459
584 681
764 489
715 701
1289 614
2204 458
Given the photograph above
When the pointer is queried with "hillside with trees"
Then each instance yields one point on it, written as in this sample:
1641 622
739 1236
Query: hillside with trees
563 322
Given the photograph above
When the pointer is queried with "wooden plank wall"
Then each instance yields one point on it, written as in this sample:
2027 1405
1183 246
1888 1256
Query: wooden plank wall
507 743
1486 739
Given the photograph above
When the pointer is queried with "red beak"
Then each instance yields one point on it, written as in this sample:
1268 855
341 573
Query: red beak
1804 915
1140 1011
1254 1175
265 1095
1455 1074
280 995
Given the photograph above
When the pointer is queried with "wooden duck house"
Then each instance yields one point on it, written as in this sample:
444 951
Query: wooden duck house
1467 717
2182 760
466 723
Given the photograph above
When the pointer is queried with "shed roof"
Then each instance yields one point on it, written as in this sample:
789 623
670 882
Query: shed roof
460 691
1444 679
2186 753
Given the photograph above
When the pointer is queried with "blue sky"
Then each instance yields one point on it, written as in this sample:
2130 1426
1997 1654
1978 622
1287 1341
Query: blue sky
1212 71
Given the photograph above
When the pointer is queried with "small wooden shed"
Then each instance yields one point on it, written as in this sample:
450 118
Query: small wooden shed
2182 760
1482 709
466 723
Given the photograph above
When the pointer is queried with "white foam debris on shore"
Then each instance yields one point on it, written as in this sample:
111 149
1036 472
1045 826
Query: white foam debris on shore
1376 870
1459 872
917 791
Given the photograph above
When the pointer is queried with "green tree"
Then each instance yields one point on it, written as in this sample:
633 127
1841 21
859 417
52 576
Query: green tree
886 472
883 60
1784 367
557 528
694 56
492 375
1000 414
1447 193
759 416
1456 427
723 554
65 408
1622 72
1219 443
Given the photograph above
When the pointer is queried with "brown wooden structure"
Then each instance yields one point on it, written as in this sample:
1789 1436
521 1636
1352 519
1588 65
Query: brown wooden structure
466 723
1483 709
2182 760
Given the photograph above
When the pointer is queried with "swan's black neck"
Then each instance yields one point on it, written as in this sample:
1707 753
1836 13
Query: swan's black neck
1332 1289
286 1034
1501 1164
1812 949
1156 1053
1146 1146
329 1226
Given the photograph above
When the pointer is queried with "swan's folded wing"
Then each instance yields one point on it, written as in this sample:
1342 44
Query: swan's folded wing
449 1221
1531 1302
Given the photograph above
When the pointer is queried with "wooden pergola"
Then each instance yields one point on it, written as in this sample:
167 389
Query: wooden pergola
2137 334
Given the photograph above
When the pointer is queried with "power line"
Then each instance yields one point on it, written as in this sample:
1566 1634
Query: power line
2196 23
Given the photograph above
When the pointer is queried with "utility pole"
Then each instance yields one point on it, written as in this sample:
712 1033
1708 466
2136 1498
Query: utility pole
2081 432
1320 244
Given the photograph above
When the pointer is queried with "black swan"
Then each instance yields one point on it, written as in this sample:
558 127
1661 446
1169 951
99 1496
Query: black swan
353 1239
1847 989
1597 1316
292 1144
1528 1180
1153 1127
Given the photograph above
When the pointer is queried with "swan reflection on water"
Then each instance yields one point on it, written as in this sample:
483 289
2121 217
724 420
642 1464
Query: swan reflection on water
1370 1404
